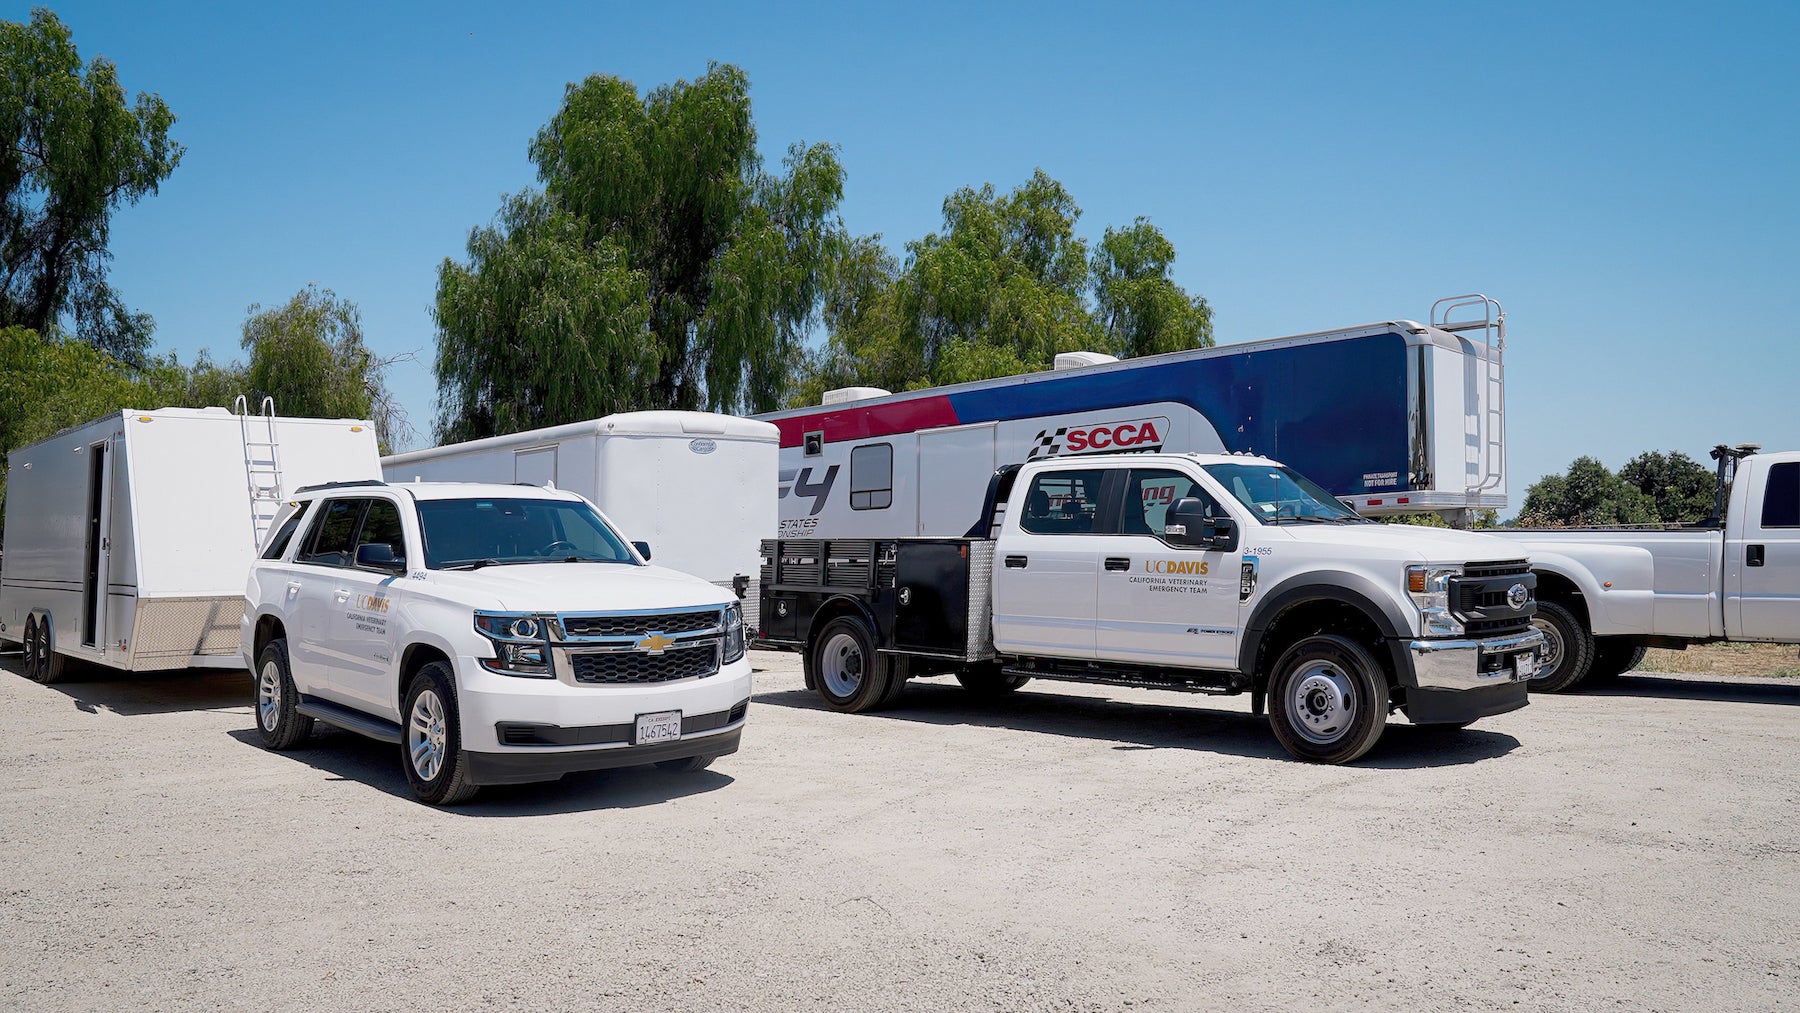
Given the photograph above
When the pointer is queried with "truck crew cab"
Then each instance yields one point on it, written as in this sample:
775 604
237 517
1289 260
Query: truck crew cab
1206 573
499 634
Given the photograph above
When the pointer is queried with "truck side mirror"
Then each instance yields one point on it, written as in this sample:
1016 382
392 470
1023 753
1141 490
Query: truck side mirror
643 549
1187 525
380 556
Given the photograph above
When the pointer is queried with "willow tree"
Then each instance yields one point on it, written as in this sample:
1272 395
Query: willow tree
661 266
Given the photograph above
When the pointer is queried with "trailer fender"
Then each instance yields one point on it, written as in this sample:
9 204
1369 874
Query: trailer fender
1615 584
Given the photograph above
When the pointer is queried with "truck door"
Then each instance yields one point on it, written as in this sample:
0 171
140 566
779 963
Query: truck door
1047 565
1762 554
1162 604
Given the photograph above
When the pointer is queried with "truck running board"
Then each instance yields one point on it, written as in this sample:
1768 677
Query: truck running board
1216 683
349 720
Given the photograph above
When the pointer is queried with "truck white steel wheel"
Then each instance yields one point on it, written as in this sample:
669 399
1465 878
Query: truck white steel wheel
279 722
1328 699
431 748
849 675
1568 649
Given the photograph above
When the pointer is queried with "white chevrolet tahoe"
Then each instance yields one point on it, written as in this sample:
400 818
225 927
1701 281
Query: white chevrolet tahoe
499 634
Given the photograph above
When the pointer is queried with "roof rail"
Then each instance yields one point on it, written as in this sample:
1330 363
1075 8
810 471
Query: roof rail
339 485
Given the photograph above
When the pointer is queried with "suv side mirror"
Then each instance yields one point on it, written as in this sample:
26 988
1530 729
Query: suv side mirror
643 549
380 556
1188 525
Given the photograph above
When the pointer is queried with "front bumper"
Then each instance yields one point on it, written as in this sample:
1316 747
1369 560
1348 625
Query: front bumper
1457 681
520 766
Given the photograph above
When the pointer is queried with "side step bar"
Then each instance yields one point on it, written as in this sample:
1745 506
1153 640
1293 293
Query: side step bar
1217 683
349 720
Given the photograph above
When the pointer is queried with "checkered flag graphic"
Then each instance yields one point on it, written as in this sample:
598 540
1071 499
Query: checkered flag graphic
1048 444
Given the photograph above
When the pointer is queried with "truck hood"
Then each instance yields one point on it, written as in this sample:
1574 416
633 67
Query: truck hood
1427 545
576 587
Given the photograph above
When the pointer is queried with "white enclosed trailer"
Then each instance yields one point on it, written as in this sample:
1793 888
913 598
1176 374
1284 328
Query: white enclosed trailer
128 539
698 488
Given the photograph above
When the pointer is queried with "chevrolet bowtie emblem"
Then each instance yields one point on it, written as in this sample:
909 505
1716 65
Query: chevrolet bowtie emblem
653 643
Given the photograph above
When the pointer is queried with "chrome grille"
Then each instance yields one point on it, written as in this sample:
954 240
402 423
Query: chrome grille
671 623
640 667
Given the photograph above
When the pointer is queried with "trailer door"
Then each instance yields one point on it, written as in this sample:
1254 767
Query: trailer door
535 467
954 466
95 570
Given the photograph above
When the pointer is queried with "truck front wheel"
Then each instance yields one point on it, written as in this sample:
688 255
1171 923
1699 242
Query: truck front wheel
1568 649
849 674
1327 699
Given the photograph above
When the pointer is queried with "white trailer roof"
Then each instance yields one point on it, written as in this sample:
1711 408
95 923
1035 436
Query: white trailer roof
652 423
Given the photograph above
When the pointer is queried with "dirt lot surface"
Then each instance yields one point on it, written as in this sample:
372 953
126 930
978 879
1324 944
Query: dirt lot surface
1068 849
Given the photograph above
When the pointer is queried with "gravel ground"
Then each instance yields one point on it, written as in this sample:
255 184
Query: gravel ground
1067 849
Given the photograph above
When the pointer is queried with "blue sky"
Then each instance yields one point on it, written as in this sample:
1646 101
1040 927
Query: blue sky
1621 176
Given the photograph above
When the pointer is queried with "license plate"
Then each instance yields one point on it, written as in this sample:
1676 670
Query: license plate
663 726
1524 667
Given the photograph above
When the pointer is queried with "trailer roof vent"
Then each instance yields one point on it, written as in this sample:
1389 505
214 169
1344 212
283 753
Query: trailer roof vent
844 394
1076 360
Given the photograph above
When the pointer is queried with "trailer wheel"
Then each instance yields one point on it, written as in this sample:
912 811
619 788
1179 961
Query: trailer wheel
45 665
1568 649
279 722
432 748
986 681
1613 659
30 647
1327 699
850 676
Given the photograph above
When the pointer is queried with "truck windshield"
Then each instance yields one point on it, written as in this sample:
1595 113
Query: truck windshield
1279 495
472 533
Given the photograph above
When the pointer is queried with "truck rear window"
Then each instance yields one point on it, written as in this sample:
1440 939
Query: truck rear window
470 533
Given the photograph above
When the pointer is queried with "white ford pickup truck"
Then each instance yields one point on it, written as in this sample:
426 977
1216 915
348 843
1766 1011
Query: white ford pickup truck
1204 573
1605 595
498 634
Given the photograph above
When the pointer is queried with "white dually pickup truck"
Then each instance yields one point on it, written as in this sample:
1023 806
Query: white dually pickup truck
499 634
1205 573
1605 595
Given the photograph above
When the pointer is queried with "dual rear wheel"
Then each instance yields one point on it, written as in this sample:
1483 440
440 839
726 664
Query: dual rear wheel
42 663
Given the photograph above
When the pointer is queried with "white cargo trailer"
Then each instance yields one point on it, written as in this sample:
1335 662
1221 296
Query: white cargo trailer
128 539
698 488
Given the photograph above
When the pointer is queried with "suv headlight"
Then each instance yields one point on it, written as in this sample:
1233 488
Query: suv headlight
521 643
1429 588
734 633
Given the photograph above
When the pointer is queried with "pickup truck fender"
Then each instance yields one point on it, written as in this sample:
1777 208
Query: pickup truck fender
1352 589
1625 607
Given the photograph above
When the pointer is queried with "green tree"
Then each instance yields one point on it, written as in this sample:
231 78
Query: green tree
1680 487
1587 494
310 357
71 153
1140 307
661 267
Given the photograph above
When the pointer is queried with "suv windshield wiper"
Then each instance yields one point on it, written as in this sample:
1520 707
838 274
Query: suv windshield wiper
584 559
476 564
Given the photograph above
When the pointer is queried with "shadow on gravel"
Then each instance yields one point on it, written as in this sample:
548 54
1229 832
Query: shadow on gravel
1697 689
1151 726
92 689
351 757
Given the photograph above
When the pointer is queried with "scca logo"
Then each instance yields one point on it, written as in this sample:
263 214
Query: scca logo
1137 435
1178 566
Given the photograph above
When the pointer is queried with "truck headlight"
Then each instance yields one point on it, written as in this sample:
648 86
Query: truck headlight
734 634
518 641
1429 588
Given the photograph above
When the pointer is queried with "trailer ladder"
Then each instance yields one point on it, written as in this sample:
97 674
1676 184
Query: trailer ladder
262 467
1487 417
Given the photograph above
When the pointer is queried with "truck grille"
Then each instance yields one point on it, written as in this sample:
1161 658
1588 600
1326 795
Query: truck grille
638 625
1481 597
638 667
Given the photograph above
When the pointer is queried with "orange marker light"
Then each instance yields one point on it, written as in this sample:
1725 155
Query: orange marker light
1606 584
1415 582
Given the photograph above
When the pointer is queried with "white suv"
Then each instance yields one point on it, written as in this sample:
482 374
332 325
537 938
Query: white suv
499 634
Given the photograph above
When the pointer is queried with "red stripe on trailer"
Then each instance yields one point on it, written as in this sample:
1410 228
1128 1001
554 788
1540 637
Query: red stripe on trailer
854 423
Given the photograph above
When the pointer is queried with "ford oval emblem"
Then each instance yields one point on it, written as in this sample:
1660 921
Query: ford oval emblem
1517 596
702 446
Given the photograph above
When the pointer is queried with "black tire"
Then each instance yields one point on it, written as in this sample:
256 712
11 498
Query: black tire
30 646
986 681
848 674
279 722
1613 658
49 666
691 765
1328 699
1568 650
431 739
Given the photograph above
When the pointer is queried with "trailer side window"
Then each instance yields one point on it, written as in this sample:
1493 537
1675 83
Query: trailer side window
1781 497
1063 503
284 535
872 477
332 541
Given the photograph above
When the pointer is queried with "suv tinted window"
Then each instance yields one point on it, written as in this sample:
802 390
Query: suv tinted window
331 542
1781 497
381 526
1063 503
279 543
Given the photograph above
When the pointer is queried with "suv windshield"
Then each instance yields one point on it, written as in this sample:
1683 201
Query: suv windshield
1277 495
486 532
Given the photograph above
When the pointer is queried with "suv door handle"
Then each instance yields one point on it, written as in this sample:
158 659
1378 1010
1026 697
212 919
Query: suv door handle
342 595
1753 555
293 588
1015 562
1118 563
